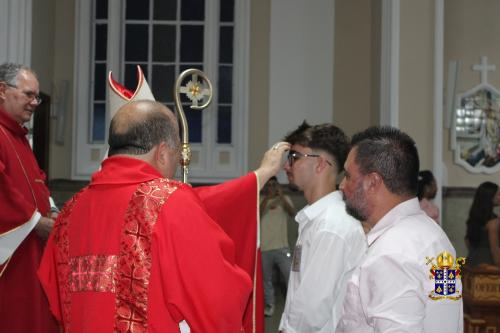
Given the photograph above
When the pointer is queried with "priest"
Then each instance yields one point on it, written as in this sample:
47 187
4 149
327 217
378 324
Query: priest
25 220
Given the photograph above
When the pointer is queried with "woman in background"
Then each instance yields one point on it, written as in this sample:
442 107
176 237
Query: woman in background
427 190
483 226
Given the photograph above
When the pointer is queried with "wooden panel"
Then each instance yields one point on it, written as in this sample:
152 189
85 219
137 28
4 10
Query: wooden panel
481 290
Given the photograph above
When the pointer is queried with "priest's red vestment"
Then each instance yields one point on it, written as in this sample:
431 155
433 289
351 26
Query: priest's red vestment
140 252
23 305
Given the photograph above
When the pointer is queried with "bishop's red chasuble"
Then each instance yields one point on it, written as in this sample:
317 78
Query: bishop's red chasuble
23 305
135 252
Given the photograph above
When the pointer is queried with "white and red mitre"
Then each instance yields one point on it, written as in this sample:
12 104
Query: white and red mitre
120 95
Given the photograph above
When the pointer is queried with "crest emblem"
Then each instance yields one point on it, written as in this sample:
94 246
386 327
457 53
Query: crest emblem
445 271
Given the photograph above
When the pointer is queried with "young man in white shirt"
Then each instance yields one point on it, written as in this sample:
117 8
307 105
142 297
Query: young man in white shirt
409 279
330 243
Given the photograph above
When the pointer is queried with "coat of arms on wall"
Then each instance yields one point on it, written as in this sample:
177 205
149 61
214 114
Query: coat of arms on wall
475 134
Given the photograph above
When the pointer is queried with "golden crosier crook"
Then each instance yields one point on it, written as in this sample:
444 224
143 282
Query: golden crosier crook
195 91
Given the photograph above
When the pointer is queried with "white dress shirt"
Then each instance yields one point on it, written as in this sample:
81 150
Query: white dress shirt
389 292
330 245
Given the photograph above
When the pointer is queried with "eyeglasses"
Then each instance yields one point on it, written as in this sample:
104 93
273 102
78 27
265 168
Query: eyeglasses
295 155
30 94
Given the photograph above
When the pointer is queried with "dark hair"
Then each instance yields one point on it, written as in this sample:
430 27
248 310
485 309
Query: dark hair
142 134
392 154
425 178
326 137
9 72
480 212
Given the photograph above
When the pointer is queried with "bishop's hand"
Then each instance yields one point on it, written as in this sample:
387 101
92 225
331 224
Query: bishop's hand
271 162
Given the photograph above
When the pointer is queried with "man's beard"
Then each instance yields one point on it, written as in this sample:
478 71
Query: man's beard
356 207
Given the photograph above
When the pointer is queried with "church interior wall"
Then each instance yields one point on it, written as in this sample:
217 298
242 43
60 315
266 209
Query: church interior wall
42 55
416 75
52 59
259 82
471 31
353 51
375 61
60 154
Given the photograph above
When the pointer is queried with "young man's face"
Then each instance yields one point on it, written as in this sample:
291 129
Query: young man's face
352 189
300 169
20 101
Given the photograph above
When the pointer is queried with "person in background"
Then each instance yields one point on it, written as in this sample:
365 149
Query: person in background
275 210
24 203
483 227
427 189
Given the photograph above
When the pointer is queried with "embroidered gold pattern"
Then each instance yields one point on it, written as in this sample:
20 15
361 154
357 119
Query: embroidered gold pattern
92 273
134 263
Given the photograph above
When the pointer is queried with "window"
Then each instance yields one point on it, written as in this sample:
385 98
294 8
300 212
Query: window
166 37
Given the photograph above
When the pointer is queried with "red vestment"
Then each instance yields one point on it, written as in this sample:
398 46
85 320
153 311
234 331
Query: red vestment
134 250
23 305
233 205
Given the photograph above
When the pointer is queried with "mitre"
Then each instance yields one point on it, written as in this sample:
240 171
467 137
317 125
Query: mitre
120 95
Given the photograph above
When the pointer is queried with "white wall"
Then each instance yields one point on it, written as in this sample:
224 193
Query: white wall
15 31
301 64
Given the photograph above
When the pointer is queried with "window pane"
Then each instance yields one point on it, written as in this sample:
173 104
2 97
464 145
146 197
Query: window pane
99 118
224 124
101 40
183 67
227 10
164 43
137 10
136 42
193 118
192 10
192 43
225 84
165 9
162 83
131 76
101 9
100 82
226 45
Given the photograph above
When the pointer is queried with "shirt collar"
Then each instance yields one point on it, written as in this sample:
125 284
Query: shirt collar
406 208
9 123
310 212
